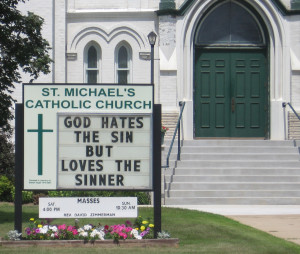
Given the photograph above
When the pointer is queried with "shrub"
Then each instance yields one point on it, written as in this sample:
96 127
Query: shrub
27 196
37 196
6 188
7 157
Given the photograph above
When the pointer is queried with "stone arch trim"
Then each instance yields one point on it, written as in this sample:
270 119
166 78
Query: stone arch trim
108 36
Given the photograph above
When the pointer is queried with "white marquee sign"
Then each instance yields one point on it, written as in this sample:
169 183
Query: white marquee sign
87 136
88 207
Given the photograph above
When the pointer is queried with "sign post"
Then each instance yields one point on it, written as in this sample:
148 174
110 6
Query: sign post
157 168
19 164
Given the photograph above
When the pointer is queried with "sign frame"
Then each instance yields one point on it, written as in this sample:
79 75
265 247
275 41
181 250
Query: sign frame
52 88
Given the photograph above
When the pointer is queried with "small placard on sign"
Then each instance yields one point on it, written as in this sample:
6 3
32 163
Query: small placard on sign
88 207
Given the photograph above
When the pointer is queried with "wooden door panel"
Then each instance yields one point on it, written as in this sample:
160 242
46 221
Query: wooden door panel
211 95
255 121
248 73
220 84
255 82
220 115
205 115
240 115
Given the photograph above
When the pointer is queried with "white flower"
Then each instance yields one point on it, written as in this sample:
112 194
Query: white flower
52 235
95 233
80 230
44 230
84 234
98 233
101 235
87 227
53 228
135 233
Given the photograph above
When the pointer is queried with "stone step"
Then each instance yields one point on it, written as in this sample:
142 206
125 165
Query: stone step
240 156
239 149
221 186
218 142
233 171
237 164
234 201
235 178
236 172
230 193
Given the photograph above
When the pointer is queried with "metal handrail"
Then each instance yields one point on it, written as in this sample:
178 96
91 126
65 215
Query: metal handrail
287 103
181 104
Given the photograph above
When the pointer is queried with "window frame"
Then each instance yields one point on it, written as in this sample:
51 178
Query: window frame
129 62
232 44
98 61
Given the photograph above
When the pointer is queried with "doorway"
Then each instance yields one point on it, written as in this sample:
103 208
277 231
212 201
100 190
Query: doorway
230 74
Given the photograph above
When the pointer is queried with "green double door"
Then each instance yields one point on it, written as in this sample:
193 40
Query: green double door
231 93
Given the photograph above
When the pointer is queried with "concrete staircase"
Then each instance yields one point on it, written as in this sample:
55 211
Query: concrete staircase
169 120
234 172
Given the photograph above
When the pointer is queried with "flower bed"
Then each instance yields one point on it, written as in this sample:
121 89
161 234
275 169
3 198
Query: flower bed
44 231
44 234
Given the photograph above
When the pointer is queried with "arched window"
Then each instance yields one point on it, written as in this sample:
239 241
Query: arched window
92 59
123 64
230 24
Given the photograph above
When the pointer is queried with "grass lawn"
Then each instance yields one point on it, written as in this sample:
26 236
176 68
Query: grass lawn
198 232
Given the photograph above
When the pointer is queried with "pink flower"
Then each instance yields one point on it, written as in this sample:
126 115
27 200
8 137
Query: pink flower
123 235
75 232
62 227
128 229
70 228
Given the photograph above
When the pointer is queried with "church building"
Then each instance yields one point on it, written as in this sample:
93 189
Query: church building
233 62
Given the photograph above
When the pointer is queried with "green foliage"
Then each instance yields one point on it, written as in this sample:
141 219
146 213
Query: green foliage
36 197
27 197
7 157
22 48
6 188
142 197
79 193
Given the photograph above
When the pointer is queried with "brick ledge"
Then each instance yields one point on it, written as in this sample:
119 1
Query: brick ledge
171 242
